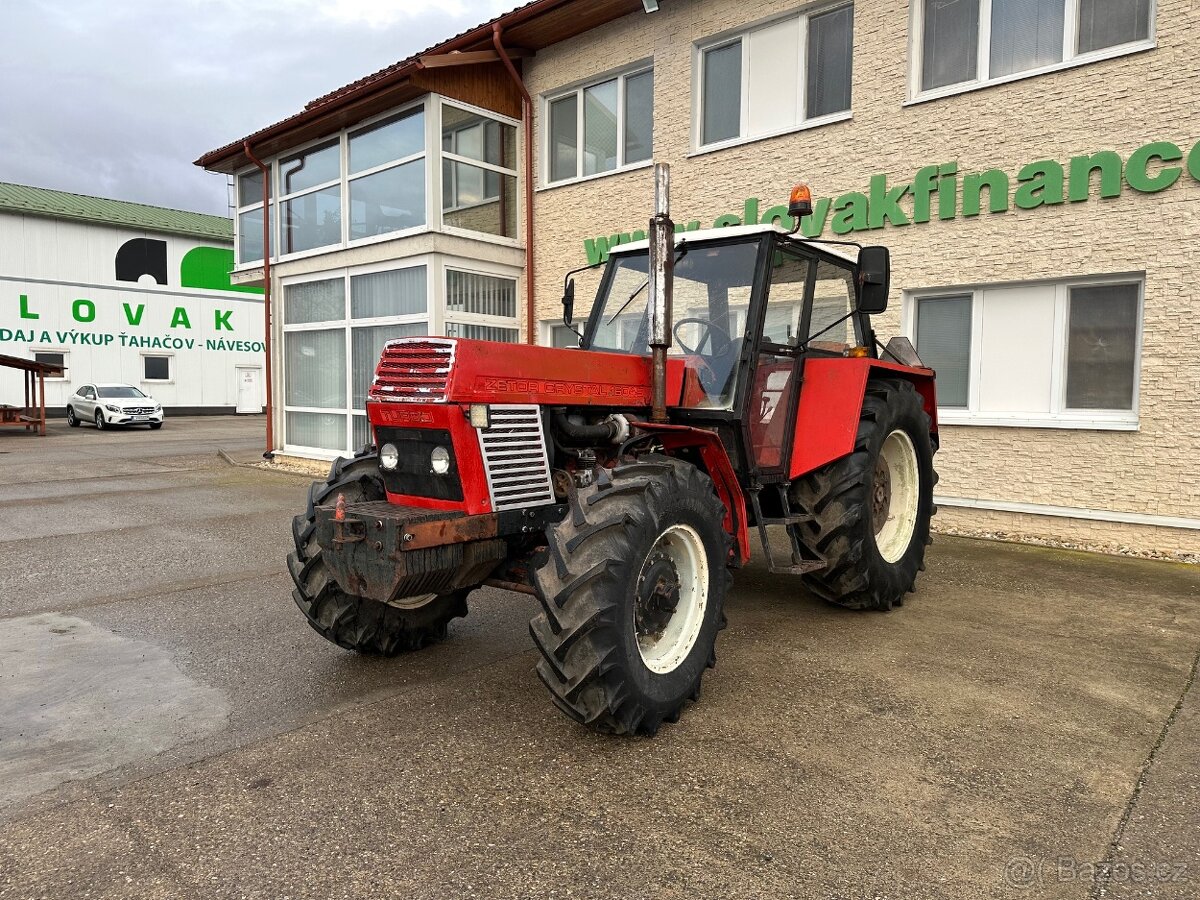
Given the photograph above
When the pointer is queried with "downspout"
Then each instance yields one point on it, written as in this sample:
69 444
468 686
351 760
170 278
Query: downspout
266 173
527 122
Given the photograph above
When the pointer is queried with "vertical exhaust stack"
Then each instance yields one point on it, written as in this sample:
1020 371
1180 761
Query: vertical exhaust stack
662 275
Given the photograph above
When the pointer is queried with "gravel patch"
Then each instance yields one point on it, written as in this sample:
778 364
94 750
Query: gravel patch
1013 537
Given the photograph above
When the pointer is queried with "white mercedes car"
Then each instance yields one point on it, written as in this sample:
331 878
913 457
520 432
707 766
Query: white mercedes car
106 405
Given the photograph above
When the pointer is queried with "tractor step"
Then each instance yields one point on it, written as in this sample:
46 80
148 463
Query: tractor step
799 565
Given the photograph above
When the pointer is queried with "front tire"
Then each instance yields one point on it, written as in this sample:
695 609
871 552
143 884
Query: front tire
632 591
360 623
871 510
72 420
100 423
154 426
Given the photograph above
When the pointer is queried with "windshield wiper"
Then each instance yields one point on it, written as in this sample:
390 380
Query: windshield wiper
682 253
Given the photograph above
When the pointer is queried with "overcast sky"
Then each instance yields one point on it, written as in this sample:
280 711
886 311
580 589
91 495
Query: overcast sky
115 98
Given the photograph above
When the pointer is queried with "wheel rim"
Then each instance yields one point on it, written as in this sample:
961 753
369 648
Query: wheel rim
672 593
895 496
414 602
99 420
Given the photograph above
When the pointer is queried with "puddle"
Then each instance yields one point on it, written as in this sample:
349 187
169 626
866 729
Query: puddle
77 700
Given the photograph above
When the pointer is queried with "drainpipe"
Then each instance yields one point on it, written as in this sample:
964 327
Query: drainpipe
527 122
266 292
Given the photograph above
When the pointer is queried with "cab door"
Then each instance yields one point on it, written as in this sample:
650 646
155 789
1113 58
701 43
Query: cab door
772 398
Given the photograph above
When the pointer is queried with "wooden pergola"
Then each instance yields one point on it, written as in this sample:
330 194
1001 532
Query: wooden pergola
31 416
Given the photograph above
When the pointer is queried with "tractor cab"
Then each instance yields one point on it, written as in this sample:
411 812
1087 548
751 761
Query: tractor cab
751 305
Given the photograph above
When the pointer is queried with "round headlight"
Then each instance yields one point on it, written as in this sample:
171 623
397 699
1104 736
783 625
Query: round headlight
389 457
439 460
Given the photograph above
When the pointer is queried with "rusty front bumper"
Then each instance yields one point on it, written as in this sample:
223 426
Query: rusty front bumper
387 552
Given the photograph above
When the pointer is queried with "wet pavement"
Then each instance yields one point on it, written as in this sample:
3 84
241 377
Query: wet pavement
1025 726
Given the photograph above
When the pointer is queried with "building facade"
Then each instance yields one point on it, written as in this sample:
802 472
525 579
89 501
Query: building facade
123 292
1034 168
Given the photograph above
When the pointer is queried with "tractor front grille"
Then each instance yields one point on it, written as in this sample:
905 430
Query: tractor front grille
514 456
414 370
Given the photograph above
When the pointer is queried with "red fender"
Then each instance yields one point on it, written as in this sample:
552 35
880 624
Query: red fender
831 404
720 470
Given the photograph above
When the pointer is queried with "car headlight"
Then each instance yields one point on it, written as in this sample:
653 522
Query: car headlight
389 457
439 460
112 408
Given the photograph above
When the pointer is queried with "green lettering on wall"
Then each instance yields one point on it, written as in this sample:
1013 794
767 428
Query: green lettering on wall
850 213
129 314
923 187
885 205
726 221
812 226
1193 161
180 318
947 191
1136 169
778 215
25 313
222 319
1082 167
83 311
1041 184
996 183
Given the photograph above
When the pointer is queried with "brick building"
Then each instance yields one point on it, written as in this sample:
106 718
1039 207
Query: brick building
1035 169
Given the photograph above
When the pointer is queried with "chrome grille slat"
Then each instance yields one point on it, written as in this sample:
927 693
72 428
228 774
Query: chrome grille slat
514 457
414 370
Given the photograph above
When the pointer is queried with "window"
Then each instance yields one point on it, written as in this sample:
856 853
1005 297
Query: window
1062 354
334 330
482 307
53 358
965 42
250 216
612 121
156 368
557 334
479 175
386 166
776 78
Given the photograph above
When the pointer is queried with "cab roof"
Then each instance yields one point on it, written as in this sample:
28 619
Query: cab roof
735 231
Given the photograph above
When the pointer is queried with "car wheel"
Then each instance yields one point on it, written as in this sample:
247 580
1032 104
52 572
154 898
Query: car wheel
71 419
100 423
154 426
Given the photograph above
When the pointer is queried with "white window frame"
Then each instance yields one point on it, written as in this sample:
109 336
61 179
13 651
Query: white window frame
346 324
170 358
983 78
435 317
1059 415
64 352
432 205
436 179
546 329
620 75
803 123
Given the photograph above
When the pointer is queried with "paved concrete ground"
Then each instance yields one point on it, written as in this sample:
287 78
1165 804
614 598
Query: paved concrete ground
170 727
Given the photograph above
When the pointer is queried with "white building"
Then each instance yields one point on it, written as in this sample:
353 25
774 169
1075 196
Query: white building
119 291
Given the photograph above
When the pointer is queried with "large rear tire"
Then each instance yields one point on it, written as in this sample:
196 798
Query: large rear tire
360 623
871 510
632 591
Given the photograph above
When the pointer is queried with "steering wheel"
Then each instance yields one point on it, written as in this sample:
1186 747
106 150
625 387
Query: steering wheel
711 334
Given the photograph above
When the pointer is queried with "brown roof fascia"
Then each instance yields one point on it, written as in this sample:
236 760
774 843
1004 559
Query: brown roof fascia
560 19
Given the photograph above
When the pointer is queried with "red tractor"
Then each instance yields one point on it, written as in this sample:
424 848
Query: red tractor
618 481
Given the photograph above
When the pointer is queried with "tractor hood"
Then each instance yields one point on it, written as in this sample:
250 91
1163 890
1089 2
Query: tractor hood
453 370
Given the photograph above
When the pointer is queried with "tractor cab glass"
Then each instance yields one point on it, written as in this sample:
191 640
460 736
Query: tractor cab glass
712 292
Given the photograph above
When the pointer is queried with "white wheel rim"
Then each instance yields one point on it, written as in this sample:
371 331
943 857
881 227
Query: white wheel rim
665 650
896 496
414 602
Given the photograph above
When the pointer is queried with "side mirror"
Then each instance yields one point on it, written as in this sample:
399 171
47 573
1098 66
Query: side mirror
874 279
568 301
